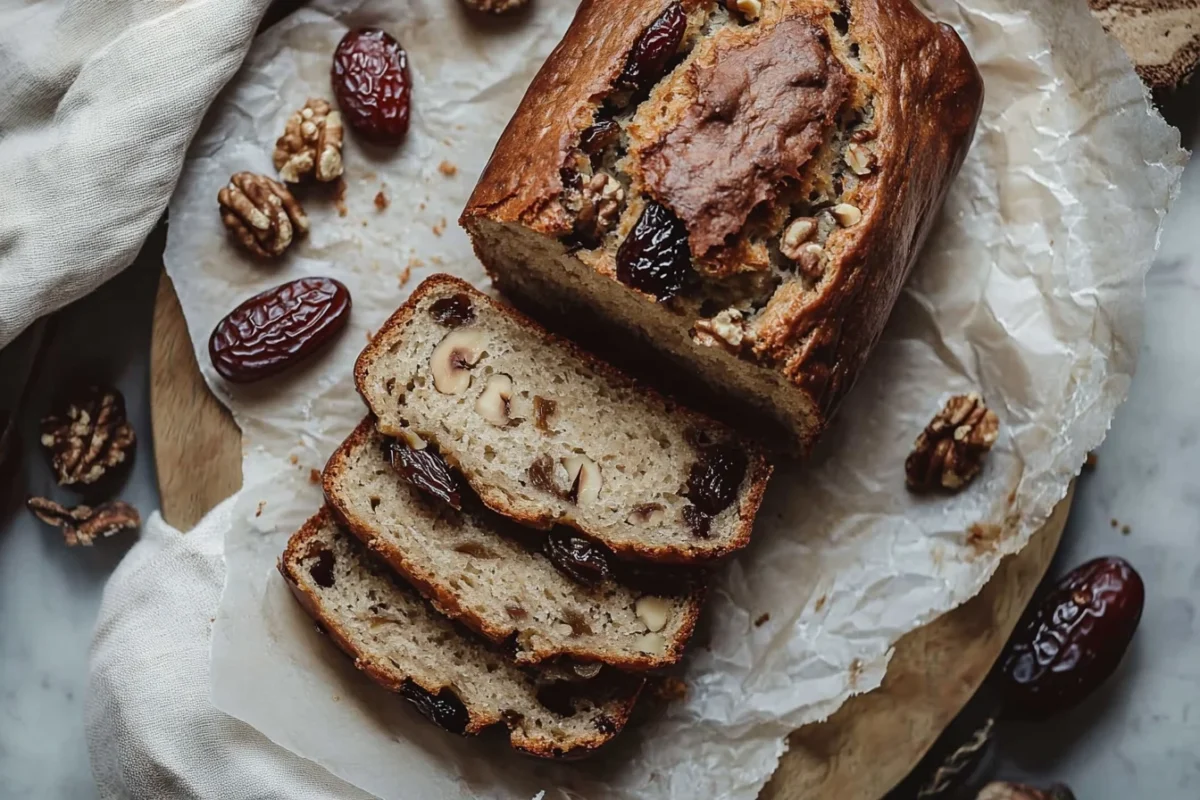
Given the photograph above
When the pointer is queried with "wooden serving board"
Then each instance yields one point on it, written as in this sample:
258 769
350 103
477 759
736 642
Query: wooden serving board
862 751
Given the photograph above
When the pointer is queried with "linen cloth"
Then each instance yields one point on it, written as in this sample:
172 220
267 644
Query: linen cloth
98 102
152 732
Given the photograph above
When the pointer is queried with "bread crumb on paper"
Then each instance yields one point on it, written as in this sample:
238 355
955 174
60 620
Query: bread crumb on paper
405 275
447 169
762 620
314 476
295 459
261 505
339 197
381 200
440 227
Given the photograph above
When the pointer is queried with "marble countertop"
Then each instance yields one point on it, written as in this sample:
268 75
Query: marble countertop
1138 737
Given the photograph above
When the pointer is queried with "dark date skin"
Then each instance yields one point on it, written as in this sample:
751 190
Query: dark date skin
443 709
372 85
655 257
653 52
278 328
579 557
426 470
1072 640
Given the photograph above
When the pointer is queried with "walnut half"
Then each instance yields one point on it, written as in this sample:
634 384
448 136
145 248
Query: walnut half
82 525
949 452
261 214
89 438
311 144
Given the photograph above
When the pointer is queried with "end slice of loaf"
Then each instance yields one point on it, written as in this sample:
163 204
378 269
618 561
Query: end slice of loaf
473 566
546 434
454 679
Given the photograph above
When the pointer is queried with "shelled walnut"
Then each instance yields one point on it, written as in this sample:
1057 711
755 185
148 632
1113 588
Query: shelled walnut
82 525
599 206
311 144
89 437
261 214
949 452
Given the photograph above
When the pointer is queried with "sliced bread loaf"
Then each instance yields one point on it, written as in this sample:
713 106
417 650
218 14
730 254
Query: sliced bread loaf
454 679
478 568
546 434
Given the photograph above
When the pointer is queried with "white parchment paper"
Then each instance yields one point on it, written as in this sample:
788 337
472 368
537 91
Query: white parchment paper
1030 291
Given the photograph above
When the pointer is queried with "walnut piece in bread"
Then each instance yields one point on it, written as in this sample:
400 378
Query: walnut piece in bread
803 148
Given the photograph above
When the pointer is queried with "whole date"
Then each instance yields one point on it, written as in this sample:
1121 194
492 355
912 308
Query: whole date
372 84
1072 640
278 328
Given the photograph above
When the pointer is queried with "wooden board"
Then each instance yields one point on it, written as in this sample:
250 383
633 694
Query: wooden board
867 747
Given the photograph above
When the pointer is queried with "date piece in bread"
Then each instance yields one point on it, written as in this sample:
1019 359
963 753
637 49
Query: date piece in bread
485 572
457 681
752 209
546 434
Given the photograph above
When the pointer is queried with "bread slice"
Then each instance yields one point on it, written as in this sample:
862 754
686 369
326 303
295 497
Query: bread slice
546 434
475 567
754 232
454 679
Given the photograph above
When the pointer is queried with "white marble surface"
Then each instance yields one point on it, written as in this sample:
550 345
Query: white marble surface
1139 737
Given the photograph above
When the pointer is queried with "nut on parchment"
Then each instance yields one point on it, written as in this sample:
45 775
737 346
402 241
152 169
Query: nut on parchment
311 144
88 438
949 452
82 525
261 214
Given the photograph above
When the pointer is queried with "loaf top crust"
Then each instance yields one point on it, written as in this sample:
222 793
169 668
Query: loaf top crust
730 139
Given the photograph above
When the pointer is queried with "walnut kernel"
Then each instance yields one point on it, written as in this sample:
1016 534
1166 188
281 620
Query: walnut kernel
261 214
949 452
82 525
88 438
311 144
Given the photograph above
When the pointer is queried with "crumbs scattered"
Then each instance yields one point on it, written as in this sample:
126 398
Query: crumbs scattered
415 263
440 227
1113 522
447 169
314 476
364 223
261 505
820 603
295 459
370 335
421 207
437 260
1125 529
339 197
1091 461
856 671
405 275
381 200
983 537
762 620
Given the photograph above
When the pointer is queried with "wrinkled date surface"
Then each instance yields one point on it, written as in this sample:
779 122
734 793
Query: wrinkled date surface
655 258
649 58
372 85
426 470
1073 640
597 138
443 709
453 311
278 328
580 558
322 569
715 478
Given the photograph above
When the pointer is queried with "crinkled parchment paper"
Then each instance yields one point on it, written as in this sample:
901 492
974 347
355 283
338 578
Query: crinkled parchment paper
1030 290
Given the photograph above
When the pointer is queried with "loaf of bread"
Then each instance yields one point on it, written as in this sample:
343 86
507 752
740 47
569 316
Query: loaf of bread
454 679
491 575
742 190
545 434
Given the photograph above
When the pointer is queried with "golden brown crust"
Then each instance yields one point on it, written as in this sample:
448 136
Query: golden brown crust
926 94
386 676
446 602
759 467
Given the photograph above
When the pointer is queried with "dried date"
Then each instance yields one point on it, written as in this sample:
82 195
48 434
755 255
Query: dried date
426 470
578 557
452 312
651 55
443 709
655 258
278 328
1073 639
599 137
322 570
372 84
715 478
558 697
